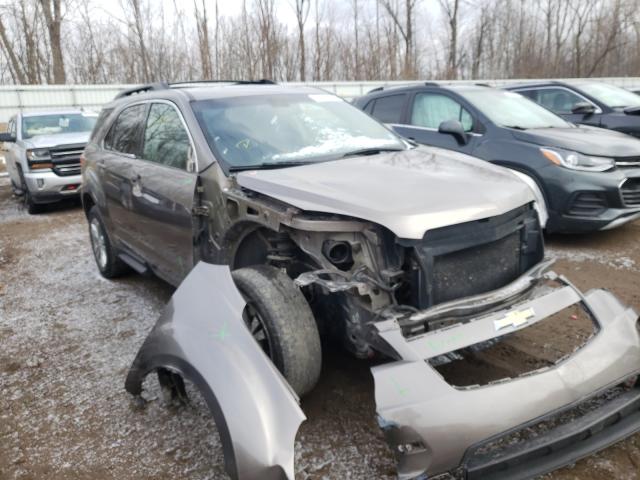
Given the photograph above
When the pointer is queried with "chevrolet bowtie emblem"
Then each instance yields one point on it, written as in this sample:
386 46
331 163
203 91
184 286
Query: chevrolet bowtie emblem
514 318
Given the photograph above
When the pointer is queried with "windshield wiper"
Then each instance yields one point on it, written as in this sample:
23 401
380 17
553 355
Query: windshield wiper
515 127
267 166
370 151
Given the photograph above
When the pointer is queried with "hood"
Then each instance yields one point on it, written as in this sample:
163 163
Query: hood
587 140
57 140
408 192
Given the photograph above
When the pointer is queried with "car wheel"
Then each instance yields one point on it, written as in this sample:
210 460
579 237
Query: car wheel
32 207
280 319
106 258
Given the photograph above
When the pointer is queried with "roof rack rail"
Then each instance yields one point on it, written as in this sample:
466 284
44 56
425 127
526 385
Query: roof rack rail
142 88
165 86
404 85
481 84
262 81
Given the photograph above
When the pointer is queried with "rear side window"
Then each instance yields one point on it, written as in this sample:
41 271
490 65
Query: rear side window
104 113
11 128
124 135
431 109
165 139
389 109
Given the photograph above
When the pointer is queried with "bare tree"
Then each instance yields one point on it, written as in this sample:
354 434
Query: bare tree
202 24
302 13
406 30
52 12
451 9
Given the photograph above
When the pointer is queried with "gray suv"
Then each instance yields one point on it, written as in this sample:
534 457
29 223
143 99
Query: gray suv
42 152
286 216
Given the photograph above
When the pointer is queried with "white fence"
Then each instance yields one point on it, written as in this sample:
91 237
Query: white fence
41 97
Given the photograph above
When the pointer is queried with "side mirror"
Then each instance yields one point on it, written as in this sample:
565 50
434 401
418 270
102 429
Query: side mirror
455 128
583 108
7 137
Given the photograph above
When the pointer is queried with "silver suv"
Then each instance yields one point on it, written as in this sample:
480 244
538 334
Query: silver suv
42 151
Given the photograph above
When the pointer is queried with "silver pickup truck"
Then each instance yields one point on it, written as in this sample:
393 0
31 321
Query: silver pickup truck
42 152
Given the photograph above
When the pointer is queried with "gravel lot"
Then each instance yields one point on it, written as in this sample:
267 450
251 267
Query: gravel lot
67 338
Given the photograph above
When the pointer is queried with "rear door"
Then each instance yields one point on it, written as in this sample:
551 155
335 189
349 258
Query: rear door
427 111
117 176
165 191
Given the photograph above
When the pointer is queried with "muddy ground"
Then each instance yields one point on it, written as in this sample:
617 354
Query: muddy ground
67 338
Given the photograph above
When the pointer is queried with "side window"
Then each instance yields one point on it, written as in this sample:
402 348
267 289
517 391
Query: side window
389 109
431 109
11 128
558 100
165 139
104 113
124 134
369 107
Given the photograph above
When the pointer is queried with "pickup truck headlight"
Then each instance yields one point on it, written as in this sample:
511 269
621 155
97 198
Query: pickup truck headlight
578 161
39 158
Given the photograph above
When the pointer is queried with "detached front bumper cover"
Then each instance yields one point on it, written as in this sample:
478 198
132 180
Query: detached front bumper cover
201 336
434 427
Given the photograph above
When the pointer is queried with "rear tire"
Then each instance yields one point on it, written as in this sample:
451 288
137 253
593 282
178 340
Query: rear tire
281 321
106 257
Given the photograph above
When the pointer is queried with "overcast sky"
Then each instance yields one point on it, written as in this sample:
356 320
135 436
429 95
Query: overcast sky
285 9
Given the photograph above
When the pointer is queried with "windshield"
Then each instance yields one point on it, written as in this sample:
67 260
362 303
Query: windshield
54 124
267 131
609 95
509 109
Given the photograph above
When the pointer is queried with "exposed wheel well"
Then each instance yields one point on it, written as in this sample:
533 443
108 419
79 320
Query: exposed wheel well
252 248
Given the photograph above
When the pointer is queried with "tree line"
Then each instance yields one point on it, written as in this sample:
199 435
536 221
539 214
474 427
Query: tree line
136 41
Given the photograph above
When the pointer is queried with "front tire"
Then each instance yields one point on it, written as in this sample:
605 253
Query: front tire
281 321
109 265
32 207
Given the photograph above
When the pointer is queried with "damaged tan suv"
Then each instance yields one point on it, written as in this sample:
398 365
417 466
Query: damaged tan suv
286 216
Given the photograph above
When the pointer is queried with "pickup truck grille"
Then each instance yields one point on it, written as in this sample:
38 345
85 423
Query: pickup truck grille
66 160
630 191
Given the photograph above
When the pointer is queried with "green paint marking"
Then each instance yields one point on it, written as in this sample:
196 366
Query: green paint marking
222 333
444 342
401 391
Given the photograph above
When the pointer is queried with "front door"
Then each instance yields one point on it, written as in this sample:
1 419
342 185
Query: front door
164 194
561 101
427 112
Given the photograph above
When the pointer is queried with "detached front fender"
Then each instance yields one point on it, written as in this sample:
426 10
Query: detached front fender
202 337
